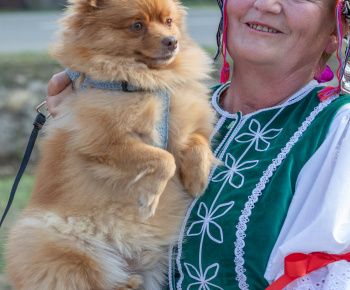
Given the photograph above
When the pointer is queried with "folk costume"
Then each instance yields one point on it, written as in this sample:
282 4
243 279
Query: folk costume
278 206
284 178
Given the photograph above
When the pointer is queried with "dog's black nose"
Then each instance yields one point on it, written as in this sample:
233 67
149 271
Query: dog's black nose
170 42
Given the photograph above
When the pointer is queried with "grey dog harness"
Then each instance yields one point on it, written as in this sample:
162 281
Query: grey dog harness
164 97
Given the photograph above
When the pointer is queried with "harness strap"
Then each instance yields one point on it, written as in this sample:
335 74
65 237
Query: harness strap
38 124
102 85
163 96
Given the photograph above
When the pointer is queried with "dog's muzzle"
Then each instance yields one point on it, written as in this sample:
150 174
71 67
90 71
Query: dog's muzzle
170 43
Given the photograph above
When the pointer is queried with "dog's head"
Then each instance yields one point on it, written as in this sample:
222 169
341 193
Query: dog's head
147 31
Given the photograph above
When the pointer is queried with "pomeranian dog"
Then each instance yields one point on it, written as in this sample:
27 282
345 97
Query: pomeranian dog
109 200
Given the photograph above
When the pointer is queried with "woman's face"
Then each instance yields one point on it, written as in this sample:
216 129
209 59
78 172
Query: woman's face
280 32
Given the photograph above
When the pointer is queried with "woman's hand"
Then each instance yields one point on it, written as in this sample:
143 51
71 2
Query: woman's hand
58 88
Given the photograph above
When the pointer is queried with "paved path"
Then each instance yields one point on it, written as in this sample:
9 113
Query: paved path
34 31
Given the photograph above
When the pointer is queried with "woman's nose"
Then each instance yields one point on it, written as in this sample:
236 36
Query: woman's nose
269 6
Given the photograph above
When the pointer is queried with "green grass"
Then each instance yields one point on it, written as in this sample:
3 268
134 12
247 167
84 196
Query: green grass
21 199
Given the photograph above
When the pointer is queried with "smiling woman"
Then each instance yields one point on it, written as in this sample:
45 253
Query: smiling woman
291 54
285 178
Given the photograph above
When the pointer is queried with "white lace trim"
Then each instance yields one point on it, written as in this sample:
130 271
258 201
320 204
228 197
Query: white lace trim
253 198
215 102
335 276
293 99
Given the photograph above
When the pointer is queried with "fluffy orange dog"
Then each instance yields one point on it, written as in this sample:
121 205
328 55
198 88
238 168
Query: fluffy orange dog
108 201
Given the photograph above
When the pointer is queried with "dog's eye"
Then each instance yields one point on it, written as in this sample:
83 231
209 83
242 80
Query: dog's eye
137 26
168 22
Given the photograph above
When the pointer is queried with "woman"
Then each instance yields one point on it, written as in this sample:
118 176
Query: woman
285 184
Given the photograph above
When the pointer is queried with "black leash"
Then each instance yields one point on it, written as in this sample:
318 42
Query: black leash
38 124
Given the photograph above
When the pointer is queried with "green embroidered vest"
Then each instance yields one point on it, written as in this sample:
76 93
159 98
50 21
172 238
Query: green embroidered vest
229 232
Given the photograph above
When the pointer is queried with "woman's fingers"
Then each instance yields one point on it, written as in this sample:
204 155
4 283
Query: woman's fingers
58 83
58 89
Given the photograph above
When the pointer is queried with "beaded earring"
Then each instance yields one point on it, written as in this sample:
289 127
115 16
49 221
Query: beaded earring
325 76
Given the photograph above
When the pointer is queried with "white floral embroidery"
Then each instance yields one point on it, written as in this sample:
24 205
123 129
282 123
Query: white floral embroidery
208 218
234 169
258 136
208 226
203 279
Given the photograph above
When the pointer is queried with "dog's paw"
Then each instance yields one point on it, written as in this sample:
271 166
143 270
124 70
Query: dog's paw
195 182
134 282
151 186
197 161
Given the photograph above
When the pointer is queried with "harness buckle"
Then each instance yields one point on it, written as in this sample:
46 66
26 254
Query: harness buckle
46 108
125 86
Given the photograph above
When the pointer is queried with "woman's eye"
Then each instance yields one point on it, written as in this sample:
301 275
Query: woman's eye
137 26
168 22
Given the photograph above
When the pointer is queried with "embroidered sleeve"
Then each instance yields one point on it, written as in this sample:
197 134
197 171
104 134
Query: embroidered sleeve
318 219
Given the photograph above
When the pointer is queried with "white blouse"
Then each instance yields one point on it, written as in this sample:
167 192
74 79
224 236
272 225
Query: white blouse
318 218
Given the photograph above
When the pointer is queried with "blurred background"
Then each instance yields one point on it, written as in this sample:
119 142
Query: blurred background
27 27
31 4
